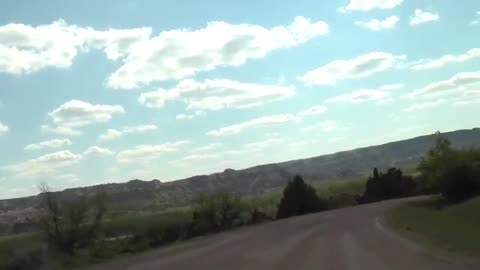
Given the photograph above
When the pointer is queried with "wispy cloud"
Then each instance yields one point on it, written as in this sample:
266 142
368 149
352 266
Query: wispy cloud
181 53
325 126
216 94
263 121
380 95
55 143
377 25
457 83
98 151
74 114
111 134
435 63
421 16
425 105
146 152
359 67
366 5
314 110
46 165
3 128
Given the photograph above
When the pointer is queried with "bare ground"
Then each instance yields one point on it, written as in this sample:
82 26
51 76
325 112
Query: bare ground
343 239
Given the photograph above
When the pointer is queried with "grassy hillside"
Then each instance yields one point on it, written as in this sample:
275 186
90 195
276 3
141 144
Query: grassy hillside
454 230
152 196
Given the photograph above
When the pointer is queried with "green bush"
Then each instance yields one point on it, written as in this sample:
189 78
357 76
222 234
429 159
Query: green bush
139 232
461 183
455 173
299 198
31 258
390 185
216 213
71 225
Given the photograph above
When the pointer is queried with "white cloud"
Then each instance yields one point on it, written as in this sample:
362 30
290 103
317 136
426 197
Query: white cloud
146 152
380 95
25 48
325 126
263 144
425 105
444 60
181 53
377 25
191 116
207 148
359 67
43 166
421 16
388 87
98 151
3 128
457 83
55 143
314 110
255 123
248 148
59 130
466 102
366 5
476 21
217 94
472 93
111 134
75 114
198 157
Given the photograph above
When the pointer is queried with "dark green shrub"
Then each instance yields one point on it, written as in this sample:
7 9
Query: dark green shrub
390 185
461 183
299 198
32 258
215 213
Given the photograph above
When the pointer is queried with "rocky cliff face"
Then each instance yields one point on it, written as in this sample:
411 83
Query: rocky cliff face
137 195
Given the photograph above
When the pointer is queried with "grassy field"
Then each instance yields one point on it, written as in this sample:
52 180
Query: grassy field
452 230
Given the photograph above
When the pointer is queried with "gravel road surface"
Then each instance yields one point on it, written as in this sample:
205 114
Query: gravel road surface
344 239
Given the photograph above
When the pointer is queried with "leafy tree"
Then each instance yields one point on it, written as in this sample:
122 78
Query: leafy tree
455 173
392 184
70 225
299 198
461 182
436 163
215 213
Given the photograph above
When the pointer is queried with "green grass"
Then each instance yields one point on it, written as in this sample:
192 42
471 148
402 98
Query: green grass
454 230
352 186
9 243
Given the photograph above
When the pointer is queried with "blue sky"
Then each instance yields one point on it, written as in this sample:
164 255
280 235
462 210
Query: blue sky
106 91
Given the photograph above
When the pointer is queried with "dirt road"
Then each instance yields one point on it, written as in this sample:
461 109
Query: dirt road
344 239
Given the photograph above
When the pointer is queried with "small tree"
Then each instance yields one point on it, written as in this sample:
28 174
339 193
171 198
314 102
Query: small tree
461 182
299 198
213 213
435 164
69 225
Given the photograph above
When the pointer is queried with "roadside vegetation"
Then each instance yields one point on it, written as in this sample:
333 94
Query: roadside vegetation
453 230
448 222
75 233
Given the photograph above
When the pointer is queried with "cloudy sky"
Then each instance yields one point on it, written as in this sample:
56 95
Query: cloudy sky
106 91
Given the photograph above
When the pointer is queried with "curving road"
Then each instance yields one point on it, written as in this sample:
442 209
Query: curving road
343 239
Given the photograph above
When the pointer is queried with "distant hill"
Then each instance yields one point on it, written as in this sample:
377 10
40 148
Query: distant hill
137 195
